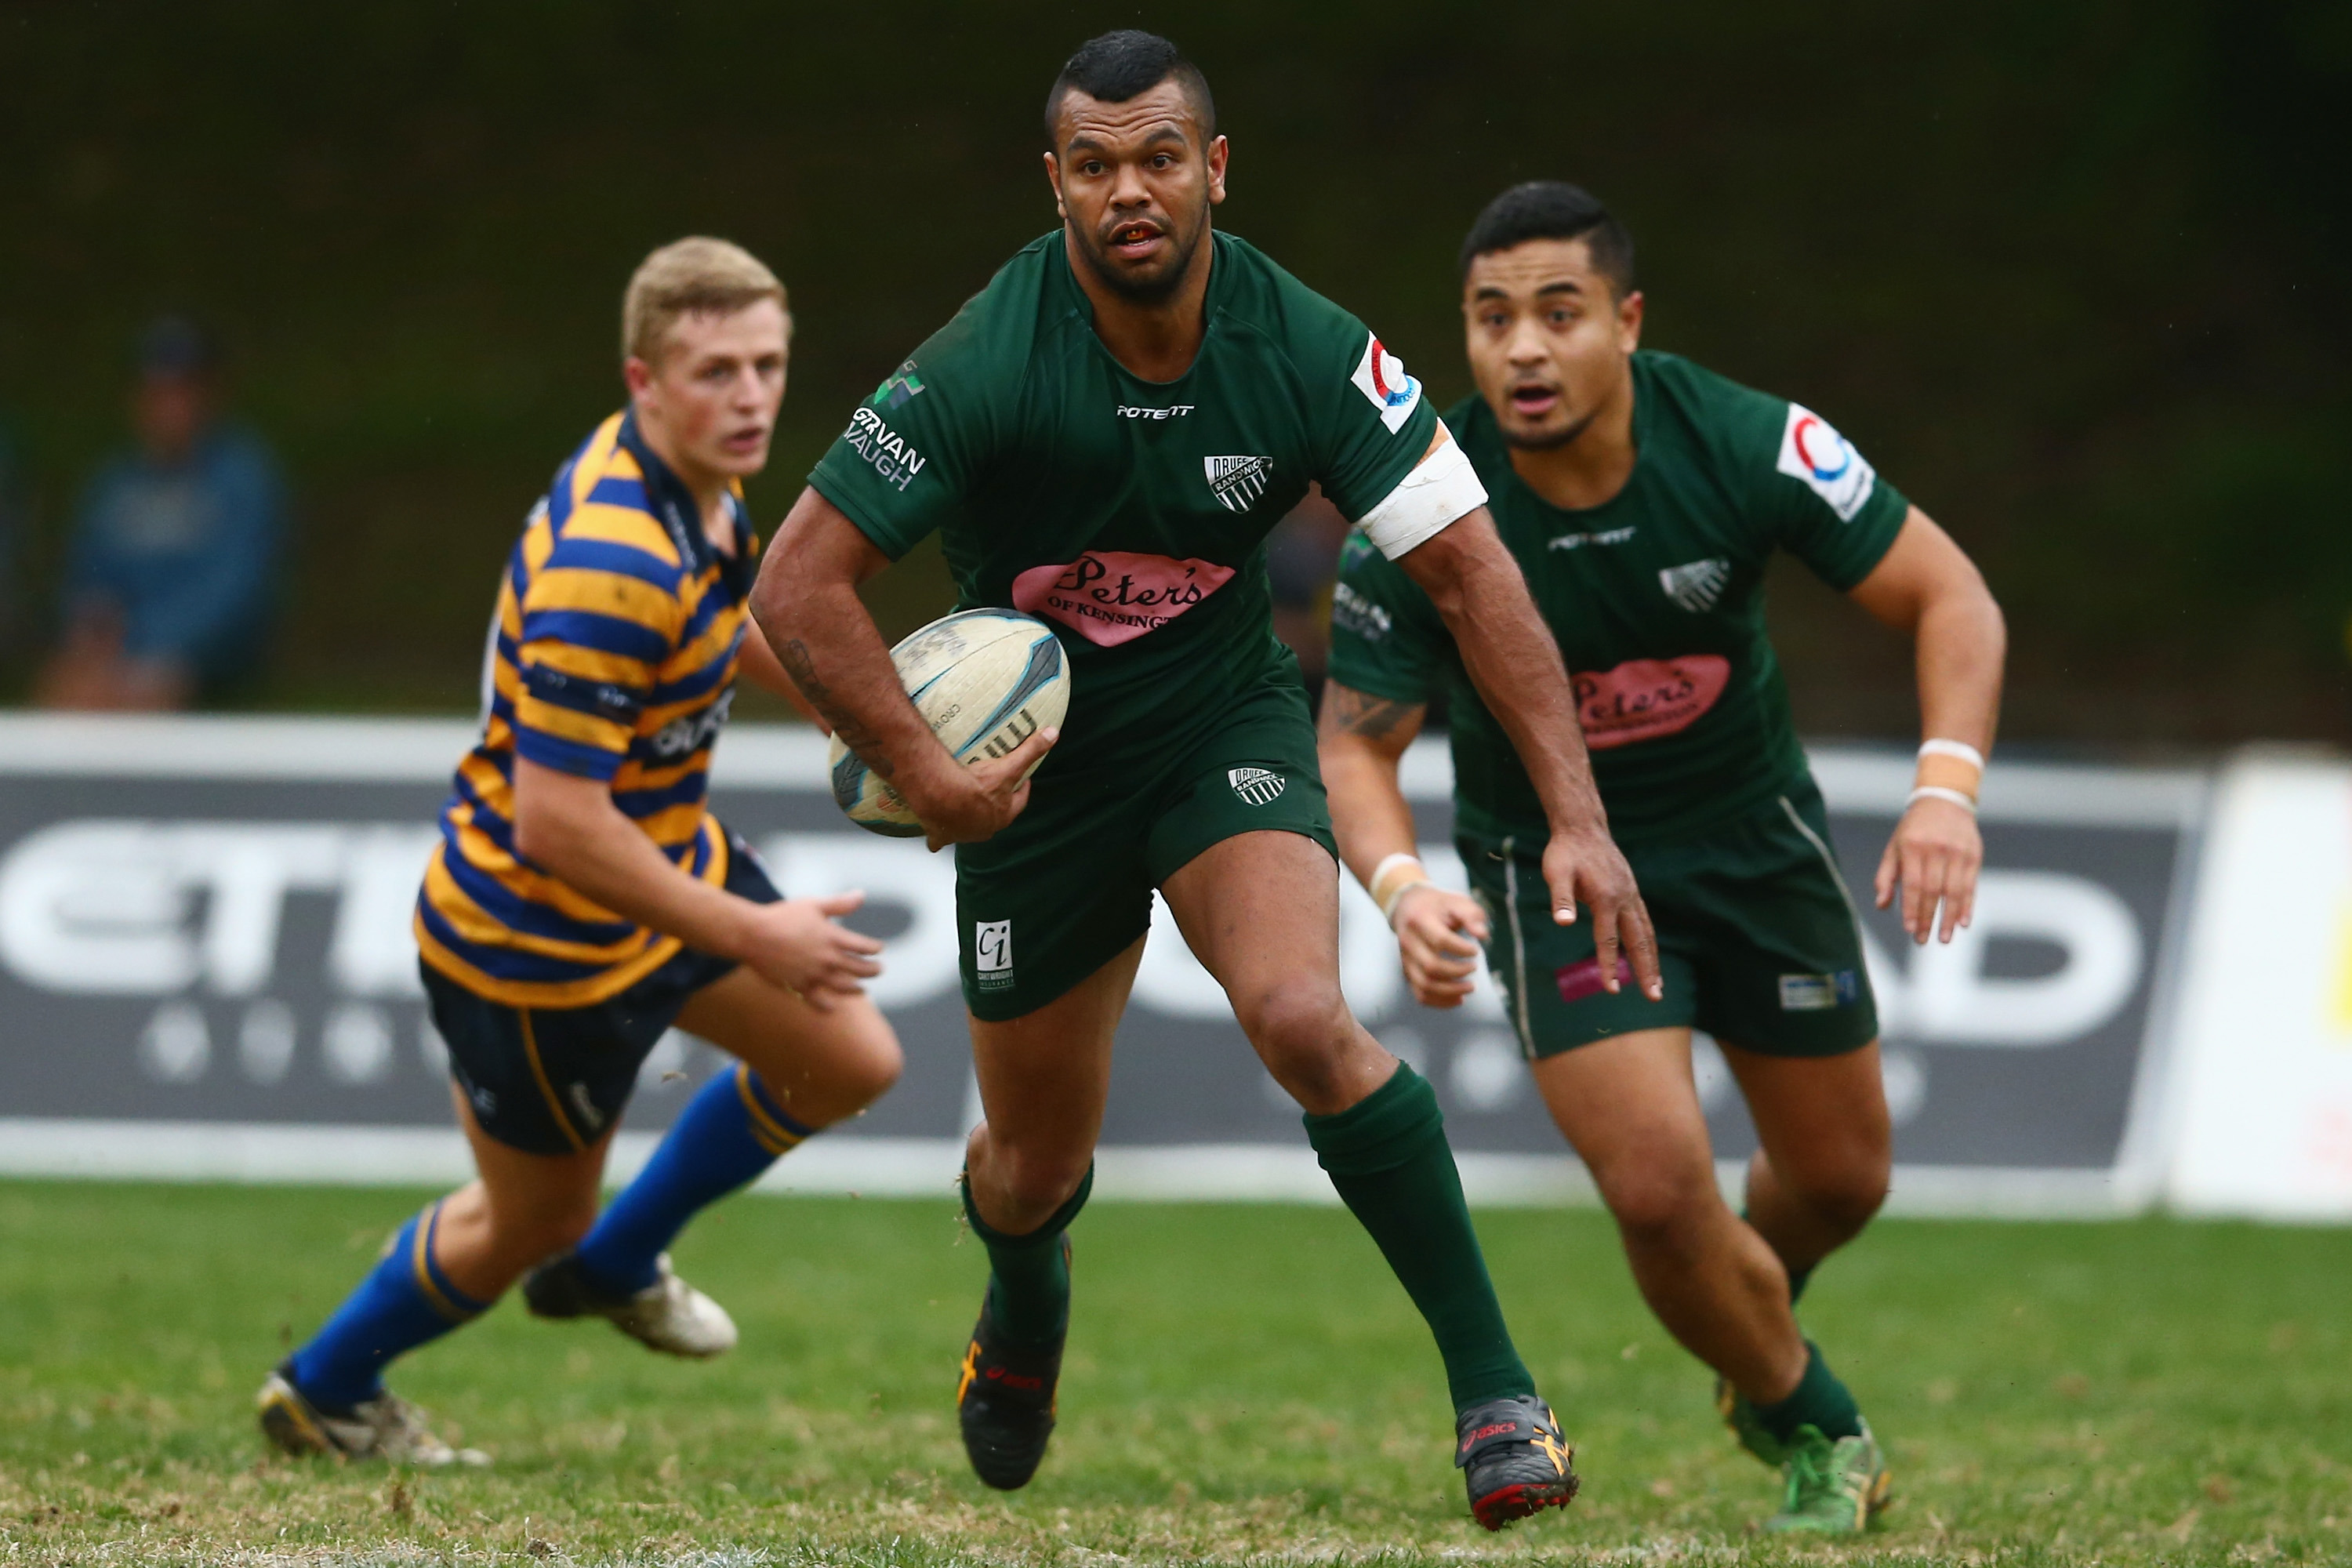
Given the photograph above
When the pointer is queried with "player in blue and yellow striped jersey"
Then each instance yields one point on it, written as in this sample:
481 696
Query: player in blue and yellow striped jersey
583 898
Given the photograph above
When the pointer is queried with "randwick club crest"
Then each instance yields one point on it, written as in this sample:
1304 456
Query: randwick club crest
1258 787
1238 481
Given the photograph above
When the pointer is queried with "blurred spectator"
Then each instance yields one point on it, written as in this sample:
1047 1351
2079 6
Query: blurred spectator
171 584
1302 557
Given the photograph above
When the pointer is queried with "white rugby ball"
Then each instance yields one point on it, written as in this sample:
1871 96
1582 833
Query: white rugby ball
985 680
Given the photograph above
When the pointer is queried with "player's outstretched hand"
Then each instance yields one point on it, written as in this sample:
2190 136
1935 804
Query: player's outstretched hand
1438 932
1935 856
988 795
1583 866
799 945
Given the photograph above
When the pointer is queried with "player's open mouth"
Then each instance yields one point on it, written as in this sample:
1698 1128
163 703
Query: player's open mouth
1534 402
1135 240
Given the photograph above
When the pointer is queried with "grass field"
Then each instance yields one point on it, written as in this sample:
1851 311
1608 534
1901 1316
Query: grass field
1244 1384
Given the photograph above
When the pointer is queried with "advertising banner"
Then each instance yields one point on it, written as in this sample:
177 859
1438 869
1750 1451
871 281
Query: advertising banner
205 971
2263 1093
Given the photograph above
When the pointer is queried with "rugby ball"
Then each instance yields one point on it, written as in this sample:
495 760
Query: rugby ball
984 680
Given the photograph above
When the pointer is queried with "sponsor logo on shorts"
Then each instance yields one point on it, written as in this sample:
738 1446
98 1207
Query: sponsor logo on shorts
1818 992
589 1117
1644 698
1351 611
1579 540
992 948
1256 787
1696 585
1578 981
1111 596
1381 376
875 441
1144 411
1811 450
1237 481
903 384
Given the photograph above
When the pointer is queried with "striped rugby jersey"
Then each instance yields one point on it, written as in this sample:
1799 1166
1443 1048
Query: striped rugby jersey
612 657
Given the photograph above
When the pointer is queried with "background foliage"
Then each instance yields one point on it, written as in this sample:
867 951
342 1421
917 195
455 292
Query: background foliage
2070 275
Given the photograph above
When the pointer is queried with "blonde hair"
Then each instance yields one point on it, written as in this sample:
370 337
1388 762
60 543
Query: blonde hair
691 277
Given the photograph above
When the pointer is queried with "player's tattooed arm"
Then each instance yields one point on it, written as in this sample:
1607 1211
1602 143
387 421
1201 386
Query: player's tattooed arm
801 665
1346 711
806 606
1361 738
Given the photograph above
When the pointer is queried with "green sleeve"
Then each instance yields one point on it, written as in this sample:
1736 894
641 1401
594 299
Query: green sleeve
1820 498
1369 419
1387 639
902 468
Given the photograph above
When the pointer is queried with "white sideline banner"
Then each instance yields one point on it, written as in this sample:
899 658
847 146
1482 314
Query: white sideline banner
2262 1124
206 974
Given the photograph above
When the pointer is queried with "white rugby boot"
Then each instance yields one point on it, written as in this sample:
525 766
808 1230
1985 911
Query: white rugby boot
668 1315
387 1427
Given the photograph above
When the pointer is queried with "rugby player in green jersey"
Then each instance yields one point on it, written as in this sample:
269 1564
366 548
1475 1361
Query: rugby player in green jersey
1642 497
1104 436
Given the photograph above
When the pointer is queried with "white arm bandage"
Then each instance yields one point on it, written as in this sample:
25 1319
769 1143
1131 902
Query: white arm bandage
1442 489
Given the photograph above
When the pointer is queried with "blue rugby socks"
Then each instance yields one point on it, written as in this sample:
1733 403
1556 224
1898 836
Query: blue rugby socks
732 1129
404 1302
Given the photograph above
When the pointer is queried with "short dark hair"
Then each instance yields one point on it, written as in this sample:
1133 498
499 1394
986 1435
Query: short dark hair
1127 64
1553 209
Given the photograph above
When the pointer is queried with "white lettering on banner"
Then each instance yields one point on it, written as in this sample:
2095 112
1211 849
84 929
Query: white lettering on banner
1172 981
919 965
130 908
374 950
1944 996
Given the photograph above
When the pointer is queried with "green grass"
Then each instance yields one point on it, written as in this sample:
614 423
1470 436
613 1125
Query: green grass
1244 1384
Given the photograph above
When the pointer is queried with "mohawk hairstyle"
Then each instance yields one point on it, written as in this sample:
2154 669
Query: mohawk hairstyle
1553 209
1126 64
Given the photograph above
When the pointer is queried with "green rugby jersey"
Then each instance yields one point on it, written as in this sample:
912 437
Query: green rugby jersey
1129 515
1656 596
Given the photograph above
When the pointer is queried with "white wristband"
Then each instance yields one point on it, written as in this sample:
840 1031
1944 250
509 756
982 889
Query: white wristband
1937 791
1408 874
1441 489
1958 749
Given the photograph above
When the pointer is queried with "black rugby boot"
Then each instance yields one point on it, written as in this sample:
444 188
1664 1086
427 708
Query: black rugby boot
1004 1402
1512 1455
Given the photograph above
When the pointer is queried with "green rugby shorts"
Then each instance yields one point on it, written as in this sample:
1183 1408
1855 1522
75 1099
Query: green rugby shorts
1758 939
1067 886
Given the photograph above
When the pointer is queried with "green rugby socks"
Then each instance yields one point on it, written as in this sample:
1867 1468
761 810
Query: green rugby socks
1028 1277
1819 1401
1389 1159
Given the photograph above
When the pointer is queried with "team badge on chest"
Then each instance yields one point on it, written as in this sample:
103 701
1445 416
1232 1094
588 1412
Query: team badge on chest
1238 481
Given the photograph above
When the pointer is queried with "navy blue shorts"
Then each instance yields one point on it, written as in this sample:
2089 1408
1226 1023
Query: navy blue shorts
553 1080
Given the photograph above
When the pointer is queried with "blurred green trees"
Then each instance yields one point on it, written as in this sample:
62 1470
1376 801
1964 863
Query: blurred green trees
2072 277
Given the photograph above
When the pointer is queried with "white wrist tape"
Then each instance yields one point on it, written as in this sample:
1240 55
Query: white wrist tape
1937 792
1443 490
1394 878
1958 749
